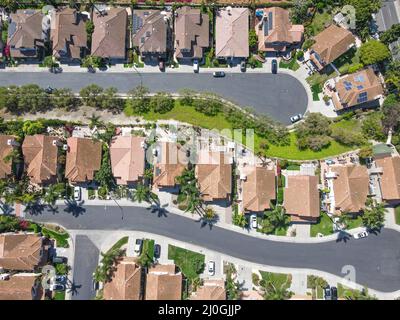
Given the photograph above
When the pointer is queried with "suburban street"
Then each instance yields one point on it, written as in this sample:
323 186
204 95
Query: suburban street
376 259
387 15
277 95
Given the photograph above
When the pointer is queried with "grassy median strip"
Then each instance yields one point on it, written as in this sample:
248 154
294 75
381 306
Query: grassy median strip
191 263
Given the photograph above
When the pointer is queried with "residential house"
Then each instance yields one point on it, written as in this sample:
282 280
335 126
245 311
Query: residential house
40 158
150 33
232 33
83 159
192 30
357 90
125 283
127 159
276 34
170 163
68 34
109 38
329 45
348 185
258 188
212 289
21 286
390 178
7 145
22 252
214 174
163 283
25 34
301 198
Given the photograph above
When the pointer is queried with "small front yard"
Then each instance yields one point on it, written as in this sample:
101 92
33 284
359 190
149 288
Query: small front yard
397 214
354 223
316 284
279 280
147 256
323 226
59 295
292 64
60 238
189 262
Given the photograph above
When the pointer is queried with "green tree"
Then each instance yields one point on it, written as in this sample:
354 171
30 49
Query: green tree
162 102
372 127
104 175
299 10
141 193
138 100
64 99
373 52
53 193
365 152
32 98
273 292
391 113
391 35
253 39
92 62
110 100
89 30
31 128
374 214
92 95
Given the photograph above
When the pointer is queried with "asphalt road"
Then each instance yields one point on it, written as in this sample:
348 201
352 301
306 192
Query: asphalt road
86 260
376 259
277 95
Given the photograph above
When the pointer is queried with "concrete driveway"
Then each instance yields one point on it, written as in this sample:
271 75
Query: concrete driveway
276 95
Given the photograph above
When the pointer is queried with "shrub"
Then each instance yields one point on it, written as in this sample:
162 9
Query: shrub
162 102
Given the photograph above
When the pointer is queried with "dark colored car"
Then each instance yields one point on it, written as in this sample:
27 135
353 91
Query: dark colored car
327 293
334 293
274 66
157 251
161 65
218 74
243 66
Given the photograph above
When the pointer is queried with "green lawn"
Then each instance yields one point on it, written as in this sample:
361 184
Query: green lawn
292 64
191 263
397 214
318 23
292 152
316 89
279 280
148 249
61 238
318 291
91 193
324 226
121 242
354 223
59 295
347 60
295 167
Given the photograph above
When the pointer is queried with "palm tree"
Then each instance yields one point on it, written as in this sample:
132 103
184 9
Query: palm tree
209 217
194 203
272 292
53 192
239 220
275 219
94 121
141 193
374 214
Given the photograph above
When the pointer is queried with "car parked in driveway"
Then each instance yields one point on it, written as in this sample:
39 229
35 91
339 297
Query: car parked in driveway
274 66
57 287
253 221
296 118
77 193
334 293
218 74
161 65
327 293
59 259
60 279
196 66
138 247
243 66
157 251
360 235
211 268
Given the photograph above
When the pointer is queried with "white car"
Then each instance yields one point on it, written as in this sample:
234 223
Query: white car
360 235
77 193
296 118
138 247
196 66
211 268
253 221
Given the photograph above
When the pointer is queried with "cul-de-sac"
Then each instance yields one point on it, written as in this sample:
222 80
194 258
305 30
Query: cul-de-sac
200 150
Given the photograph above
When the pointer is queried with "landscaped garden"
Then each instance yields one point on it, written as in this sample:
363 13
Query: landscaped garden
147 256
279 280
60 238
317 285
292 64
189 262
324 226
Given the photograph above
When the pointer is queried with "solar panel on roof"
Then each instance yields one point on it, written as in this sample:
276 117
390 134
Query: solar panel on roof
265 29
359 78
362 97
270 20
360 87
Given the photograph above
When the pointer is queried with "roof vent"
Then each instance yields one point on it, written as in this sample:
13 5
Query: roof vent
65 147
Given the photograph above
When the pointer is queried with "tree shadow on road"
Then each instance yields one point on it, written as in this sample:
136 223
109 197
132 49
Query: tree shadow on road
343 236
35 209
75 208
210 222
159 209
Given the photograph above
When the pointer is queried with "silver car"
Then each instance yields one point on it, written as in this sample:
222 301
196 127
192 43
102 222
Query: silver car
296 118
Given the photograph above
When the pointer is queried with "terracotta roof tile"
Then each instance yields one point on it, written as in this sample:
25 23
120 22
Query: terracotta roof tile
20 287
163 283
390 178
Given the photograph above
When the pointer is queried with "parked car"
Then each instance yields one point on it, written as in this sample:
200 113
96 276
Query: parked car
59 259
218 74
196 66
329 161
334 293
211 268
274 67
157 251
296 118
57 287
95 285
60 279
138 246
161 65
253 221
243 66
77 193
327 293
4 276
49 90
360 235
